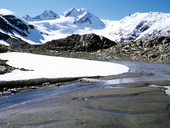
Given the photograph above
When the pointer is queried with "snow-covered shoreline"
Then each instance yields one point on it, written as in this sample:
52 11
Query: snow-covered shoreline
167 91
48 67
167 88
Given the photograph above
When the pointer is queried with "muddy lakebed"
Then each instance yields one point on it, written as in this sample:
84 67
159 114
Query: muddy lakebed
129 100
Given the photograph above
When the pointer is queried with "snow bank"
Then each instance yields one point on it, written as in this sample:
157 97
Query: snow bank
56 67
167 91
167 88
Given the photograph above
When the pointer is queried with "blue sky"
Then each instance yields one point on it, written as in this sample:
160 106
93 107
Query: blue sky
106 9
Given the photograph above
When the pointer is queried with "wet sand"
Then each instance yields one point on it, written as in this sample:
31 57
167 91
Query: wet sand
135 105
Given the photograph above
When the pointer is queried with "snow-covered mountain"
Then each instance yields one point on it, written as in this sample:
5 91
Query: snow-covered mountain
141 26
49 25
132 27
84 18
80 17
46 15
15 27
72 21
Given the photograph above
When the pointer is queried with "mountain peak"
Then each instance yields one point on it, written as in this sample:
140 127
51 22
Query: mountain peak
48 12
84 18
73 12
46 15
27 17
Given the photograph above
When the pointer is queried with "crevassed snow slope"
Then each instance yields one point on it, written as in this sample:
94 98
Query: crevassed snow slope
56 67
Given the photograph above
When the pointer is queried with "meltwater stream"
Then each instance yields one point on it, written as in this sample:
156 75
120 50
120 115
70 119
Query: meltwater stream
158 71
42 93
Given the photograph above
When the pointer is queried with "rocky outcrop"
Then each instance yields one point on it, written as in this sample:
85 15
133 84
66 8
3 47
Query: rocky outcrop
75 42
16 43
12 41
154 50
5 68
3 48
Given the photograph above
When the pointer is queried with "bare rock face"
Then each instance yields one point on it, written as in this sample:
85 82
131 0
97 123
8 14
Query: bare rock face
85 43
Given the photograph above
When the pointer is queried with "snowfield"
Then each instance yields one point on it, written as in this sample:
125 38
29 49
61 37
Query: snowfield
42 66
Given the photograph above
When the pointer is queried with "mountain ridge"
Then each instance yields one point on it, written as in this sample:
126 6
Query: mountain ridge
46 15
142 26
137 26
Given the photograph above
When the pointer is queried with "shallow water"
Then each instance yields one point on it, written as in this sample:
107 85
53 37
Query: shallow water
148 71
158 71
38 94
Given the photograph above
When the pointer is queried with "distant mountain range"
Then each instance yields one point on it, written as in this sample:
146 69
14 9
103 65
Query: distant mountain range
50 25
46 15
80 17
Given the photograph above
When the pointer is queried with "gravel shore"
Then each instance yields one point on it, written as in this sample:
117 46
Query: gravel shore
133 106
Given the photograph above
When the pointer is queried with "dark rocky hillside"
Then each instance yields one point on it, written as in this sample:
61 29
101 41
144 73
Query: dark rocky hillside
75 42
3 48
154 50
